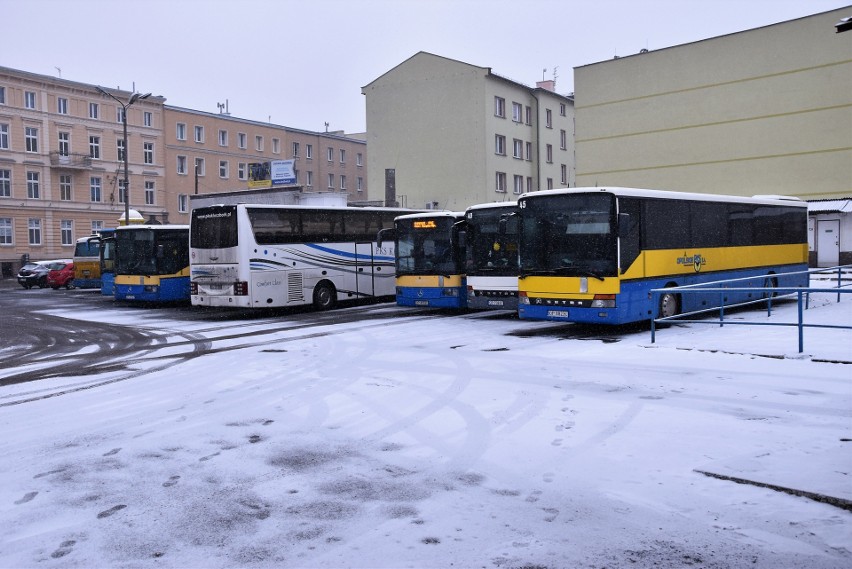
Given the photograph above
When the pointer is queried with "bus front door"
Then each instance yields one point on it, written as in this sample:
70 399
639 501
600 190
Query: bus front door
364 285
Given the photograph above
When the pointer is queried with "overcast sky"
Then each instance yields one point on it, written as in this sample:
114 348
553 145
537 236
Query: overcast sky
303 63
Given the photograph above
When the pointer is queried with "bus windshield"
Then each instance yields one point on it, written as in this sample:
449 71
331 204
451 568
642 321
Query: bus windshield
88 247
149 252
214 227
492 242
425 247
569 235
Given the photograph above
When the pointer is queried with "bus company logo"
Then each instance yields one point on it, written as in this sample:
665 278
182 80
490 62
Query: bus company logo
697 261
274 282
214 215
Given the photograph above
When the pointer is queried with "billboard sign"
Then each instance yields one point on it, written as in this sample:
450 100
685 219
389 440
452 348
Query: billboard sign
283 172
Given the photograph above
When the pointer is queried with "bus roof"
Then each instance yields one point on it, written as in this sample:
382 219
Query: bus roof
308 207
432 214
672 195
493 205
155 227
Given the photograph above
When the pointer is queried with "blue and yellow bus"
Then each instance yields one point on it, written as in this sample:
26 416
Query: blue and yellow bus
152 263
491 266
87 271
430 258
107 265
594 254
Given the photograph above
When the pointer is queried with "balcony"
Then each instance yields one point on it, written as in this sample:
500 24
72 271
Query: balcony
70 161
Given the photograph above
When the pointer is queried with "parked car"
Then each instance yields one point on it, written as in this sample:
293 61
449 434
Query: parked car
60 274
35 274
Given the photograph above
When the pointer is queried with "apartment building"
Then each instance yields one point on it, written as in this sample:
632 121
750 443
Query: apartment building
446 134
61 163
210 153
762 111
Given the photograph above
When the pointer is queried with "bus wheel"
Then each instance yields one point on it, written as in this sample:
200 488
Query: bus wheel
324 296
770 282
668 305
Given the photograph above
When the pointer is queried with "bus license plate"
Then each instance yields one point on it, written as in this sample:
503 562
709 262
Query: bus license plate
558 313
495 303
421 303
130 297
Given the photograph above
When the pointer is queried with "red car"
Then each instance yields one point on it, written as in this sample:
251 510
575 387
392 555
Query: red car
60 274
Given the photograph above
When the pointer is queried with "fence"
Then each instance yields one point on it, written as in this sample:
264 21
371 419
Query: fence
770 294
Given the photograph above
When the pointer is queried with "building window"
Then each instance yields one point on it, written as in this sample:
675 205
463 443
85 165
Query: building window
295 150
359 159
258 143
150 193
276 146
564 170
95 189
330 154
241 170
241 140
199 134
223 169
97 226
518 186
147 118
94 110
549 153
563 139
34 231
119 149
180 131
360 182
95 146
331 181
183 203
309 151
342 156
500 145
62 105
5 231
562 109
33 185
5 183
64 143
500 107
119 115
500 182
309 179
528 118
517 112
148 152
518 148
65 187
31 139
548 118
529 184
66 231
4 136
181 165
550 183
122 191
223 138
2 95
199 166
529 150
342 182
29 99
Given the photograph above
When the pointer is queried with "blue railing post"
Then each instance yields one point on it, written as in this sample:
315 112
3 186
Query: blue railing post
801 326
721 309
839 276
654 317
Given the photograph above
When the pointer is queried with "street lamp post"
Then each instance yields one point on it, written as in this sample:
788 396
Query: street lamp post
133 98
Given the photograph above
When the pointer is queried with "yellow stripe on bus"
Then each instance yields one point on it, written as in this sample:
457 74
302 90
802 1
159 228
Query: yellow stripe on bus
427 281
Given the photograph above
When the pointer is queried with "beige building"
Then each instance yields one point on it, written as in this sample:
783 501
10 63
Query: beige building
763 111
61 163
221 149
445 134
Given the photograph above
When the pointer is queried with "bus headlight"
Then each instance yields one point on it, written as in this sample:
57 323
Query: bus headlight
450 292
151 288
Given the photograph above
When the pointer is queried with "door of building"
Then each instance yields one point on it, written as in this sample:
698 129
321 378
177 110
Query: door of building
828 242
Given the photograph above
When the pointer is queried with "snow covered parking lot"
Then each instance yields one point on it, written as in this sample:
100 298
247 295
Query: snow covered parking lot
440 440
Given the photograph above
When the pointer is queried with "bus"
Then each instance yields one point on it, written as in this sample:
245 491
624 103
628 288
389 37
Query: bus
152 263
593 255
87 272
107 265
430 258
492 256
269 256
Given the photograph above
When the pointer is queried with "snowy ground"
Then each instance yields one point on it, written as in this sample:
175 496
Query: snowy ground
445 441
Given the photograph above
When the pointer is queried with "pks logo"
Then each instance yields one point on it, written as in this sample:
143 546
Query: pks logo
696 260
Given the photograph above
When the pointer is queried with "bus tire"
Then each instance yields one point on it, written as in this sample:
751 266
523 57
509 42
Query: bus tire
669 305
325 296
770 282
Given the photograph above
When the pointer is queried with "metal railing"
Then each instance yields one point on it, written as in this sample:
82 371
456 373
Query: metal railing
770 294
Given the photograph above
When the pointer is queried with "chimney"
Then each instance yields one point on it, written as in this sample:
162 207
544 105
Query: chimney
549 85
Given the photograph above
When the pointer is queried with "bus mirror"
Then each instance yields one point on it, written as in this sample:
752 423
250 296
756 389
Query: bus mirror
461 239
387 234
